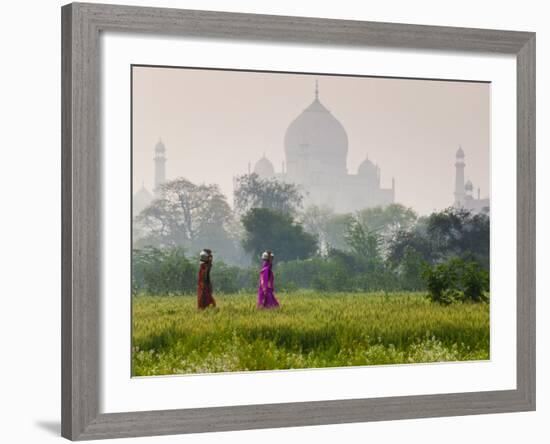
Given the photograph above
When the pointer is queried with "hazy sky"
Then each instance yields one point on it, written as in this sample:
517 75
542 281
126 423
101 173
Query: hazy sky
214 122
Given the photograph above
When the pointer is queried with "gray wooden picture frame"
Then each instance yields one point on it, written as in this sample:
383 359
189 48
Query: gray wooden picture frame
81 172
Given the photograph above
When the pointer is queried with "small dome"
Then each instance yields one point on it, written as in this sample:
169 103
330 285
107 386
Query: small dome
367 168
159 147
264 168
469 186
460 153
142 199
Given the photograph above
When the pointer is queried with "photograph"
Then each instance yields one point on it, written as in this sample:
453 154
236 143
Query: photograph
292 220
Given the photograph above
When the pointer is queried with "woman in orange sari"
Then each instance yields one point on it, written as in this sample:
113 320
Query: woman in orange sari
204 290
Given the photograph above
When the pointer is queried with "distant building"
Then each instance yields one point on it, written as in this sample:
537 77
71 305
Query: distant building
463 195
143 197
160 165
316 149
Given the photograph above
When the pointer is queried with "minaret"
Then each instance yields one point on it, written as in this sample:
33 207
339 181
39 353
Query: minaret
460 192
160 165
316 89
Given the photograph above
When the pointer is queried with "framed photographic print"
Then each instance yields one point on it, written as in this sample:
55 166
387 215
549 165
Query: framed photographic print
275 221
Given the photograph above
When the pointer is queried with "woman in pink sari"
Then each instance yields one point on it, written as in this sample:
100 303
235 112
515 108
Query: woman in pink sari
266 290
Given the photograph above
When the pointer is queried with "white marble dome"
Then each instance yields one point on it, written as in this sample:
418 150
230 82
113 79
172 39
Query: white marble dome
316 136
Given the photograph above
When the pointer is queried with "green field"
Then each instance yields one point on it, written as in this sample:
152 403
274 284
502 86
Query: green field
170 336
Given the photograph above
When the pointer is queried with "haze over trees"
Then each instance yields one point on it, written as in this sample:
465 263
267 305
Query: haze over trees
251 191
380 248
190 216
264 226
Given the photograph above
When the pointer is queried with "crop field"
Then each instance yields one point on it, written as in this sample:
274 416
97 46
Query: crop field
309 330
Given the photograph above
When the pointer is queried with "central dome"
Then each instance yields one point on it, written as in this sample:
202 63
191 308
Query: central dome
316 136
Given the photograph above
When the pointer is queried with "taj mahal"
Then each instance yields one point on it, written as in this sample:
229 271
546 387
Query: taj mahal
316 150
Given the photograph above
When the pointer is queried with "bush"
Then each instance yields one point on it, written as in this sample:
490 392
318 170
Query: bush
451 295
231 279
410 270
169 272
298 273
340 271
475 282
163 271
456 281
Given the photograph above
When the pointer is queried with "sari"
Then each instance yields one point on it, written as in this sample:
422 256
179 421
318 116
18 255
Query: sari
266 290
204 290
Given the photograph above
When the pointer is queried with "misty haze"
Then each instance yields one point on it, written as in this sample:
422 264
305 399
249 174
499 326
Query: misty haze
361 192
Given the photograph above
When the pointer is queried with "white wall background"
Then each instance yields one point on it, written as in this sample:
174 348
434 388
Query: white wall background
30 221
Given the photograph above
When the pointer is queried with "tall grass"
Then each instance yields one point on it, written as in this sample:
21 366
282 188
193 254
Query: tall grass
309 330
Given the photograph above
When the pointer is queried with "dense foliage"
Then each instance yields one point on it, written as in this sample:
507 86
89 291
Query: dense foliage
251 191
427 256
457 281
381 248
443 235
267 229
189 216
170 272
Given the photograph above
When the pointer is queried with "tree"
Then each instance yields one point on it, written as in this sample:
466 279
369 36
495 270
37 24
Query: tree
459 232
187 215
315 220
457 280
269 229
251 191
387 220
156 226
410 270
415 238
328 227
365 244
336 231
442 235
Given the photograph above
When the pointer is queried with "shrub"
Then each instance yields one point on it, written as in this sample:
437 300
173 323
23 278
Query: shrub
456 281
162 271
168 272
231 279
410 270
475 282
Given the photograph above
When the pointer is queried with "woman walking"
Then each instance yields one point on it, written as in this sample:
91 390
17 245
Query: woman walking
266 290
204 291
